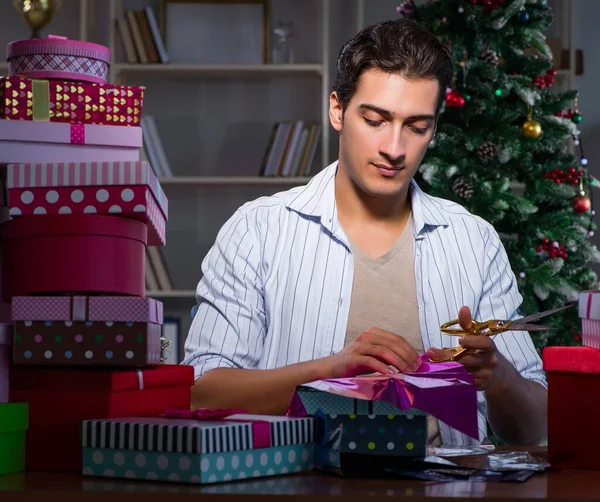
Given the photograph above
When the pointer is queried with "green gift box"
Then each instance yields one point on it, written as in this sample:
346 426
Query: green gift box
14 422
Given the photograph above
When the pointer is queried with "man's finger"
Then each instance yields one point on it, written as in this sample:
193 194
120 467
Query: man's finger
464 317
483 343
397 344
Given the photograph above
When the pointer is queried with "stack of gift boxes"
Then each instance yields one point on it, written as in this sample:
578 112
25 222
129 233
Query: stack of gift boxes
83 340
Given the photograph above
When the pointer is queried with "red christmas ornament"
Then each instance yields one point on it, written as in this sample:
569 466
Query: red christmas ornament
455 99
545 81
582 204
552 249
557 175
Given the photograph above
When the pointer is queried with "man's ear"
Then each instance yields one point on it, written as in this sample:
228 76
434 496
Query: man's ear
336 112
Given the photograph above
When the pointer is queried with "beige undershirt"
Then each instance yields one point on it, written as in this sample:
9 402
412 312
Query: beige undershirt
384 296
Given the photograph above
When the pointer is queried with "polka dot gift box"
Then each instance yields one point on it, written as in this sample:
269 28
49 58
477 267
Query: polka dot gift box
197 451
99 331
385 415
61 398
127 189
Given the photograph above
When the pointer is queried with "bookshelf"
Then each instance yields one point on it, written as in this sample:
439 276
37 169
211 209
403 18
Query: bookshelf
200 70
232 180
182 293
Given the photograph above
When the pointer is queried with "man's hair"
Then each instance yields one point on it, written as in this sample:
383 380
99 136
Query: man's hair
403 47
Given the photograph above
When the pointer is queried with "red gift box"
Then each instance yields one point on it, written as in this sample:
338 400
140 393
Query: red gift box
60 399
75 254
573 388
70 102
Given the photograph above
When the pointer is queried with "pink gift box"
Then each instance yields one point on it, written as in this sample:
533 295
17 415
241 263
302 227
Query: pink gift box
24 141
589 312
5 359
57 57
119 188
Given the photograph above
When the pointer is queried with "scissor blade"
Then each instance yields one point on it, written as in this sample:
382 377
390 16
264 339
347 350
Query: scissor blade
519 326
539 315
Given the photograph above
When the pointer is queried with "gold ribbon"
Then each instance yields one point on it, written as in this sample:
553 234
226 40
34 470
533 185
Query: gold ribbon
41 100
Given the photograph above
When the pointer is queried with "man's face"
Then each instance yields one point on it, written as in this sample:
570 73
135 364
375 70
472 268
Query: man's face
385 130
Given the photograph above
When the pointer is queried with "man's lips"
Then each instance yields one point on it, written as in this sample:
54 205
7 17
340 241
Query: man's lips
388 168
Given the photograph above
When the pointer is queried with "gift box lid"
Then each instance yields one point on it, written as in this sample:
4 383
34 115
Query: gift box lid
41 378
77 134
14 417
237 432
571 359
87 308
74 224
75 174
59 46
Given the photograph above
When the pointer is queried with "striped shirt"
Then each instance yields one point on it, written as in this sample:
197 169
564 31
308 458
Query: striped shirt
277 284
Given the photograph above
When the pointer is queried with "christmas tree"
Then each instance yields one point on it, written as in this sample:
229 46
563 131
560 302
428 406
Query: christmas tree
508 149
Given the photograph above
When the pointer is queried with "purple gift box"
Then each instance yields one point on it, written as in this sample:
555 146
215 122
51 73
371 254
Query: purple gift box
5 353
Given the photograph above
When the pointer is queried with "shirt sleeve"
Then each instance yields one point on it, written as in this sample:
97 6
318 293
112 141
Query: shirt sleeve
228 327
500 300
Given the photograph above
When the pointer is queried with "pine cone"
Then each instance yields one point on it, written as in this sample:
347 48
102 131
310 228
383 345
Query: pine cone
490 57
407 8
487 152
462 187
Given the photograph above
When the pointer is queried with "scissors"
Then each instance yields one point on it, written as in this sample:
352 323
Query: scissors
491 328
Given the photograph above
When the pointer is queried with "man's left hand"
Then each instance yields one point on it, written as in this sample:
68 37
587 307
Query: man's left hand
481 360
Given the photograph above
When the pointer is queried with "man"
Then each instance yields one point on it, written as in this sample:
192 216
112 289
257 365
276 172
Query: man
355 272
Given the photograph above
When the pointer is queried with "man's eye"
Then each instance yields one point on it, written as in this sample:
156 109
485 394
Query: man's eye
373 123
419 130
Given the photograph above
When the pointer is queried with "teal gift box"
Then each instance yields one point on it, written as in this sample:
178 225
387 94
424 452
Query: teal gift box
360 426
197 451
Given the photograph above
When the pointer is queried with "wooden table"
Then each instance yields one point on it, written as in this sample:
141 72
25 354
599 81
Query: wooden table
564 485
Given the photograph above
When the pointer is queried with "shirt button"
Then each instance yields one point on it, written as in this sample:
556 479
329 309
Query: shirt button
340 302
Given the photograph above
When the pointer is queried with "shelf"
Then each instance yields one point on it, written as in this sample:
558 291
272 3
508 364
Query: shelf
182 69
176 293
232 180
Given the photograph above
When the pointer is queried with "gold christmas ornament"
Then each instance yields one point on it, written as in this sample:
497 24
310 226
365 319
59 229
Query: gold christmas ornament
532 129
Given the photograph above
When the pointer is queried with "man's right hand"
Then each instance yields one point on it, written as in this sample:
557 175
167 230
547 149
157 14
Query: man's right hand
373 351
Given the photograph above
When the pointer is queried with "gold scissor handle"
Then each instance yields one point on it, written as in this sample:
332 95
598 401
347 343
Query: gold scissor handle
487 328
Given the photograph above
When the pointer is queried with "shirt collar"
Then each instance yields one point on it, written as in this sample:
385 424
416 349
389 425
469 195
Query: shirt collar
317 200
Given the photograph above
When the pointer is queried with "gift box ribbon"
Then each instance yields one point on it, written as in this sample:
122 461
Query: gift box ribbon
40 90
261 429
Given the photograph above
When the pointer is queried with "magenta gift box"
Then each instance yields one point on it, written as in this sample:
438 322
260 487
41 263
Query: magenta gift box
5 359
87 330
129 189
24 141
57 57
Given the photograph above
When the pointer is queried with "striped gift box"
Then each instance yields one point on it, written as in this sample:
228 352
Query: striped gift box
589 312
193 436
197 451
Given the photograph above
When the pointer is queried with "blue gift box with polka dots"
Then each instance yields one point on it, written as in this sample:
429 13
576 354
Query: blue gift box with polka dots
197 451
359 426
